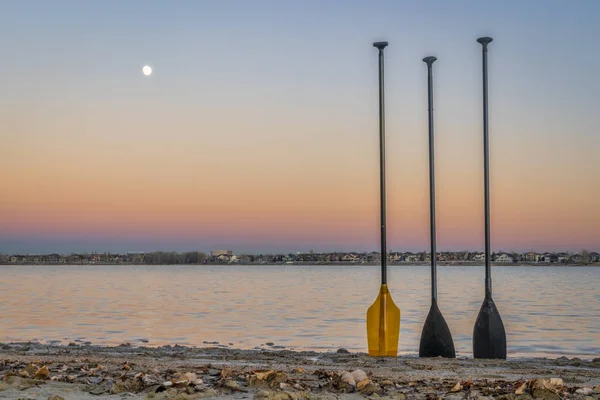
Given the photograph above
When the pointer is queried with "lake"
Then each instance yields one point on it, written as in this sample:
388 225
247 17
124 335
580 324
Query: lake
547 311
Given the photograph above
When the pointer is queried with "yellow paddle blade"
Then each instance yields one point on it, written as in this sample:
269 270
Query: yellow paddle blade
383 325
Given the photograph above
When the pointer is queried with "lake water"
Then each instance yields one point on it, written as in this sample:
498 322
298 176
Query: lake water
547 311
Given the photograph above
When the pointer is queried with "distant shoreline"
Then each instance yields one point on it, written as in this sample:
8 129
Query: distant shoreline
315 263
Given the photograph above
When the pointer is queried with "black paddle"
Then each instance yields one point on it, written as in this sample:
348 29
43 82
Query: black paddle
436 339
489 337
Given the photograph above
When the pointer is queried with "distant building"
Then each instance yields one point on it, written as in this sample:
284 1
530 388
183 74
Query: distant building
576 258
217 253
478 257
505 257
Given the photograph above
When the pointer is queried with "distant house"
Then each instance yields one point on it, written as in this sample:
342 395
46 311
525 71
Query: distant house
575 259
223 258
562 257
136 258
550 258
478 257
531 256
373 256
395 257
445 256
54 258
504 257
424 256
411 257
350 257
594 257
217 253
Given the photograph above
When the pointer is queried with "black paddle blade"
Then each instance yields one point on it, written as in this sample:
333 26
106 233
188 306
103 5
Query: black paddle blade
436 339
489 337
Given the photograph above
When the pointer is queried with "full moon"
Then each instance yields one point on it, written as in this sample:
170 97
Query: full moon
147 70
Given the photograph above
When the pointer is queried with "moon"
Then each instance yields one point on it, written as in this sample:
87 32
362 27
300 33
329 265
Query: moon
147 70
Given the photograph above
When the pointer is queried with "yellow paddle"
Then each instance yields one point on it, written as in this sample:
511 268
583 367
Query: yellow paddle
383 317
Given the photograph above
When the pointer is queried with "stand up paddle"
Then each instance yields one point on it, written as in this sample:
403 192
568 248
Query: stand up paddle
489 337
436 339
383 317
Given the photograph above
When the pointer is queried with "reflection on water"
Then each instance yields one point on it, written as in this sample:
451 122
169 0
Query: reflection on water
547 311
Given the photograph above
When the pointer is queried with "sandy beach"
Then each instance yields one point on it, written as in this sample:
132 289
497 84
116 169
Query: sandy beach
40 371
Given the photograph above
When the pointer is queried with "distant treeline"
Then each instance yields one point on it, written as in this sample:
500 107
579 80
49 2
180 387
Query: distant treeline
227 257
156 257
169 257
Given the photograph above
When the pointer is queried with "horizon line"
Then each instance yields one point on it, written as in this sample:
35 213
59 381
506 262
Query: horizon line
297 252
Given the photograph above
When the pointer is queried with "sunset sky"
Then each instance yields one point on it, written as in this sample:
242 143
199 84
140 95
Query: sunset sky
258 129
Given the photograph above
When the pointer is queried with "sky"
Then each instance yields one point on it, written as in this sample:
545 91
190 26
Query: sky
258 129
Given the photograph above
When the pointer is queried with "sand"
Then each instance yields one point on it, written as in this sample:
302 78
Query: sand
39 371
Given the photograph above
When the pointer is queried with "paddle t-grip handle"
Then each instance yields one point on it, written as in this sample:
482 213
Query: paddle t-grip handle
485 41
429 60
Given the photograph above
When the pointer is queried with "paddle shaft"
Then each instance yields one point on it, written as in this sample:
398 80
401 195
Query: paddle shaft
486 171
381 46
429 61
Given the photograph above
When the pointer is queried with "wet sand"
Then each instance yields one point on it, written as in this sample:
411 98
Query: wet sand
40 371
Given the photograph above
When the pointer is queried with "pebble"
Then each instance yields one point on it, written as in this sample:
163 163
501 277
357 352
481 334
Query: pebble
359 375
150 380
348 378
362 383
31 369
42 373
230 384
342 350
585 391
189 376
597 389
545 394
